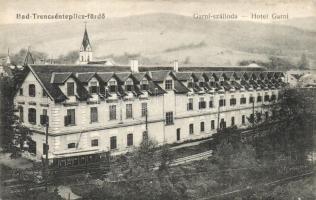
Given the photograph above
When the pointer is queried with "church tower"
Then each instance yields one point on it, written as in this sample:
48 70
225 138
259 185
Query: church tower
85 54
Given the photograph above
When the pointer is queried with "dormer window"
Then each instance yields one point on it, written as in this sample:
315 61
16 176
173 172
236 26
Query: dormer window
212 82
221 80
168 85
32 90
70 89
129 85
113 86
93 89
190 83
144 85
201 84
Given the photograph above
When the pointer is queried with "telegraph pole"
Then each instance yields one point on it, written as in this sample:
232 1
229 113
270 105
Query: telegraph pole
253 112
46 153
218 113
146 120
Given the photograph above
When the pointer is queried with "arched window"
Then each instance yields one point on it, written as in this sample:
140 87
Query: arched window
32 90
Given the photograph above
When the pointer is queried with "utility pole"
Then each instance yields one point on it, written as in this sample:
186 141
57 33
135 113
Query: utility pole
46 153
253 112
218 113
146 120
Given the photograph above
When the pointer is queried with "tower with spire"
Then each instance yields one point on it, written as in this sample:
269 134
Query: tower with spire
85 54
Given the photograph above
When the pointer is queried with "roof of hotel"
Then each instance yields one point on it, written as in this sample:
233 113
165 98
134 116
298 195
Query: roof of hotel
50 75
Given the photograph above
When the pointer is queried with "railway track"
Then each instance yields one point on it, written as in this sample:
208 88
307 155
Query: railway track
192 158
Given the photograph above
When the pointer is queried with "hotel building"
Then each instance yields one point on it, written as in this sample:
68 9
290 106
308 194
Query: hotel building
95 106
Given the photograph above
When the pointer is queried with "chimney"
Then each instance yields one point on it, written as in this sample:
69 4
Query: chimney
134 65
176 65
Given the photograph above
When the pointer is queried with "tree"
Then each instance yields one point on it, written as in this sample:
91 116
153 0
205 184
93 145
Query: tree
13 132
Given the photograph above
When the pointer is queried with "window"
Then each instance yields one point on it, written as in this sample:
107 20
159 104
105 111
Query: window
266 97
112 112
222 102
70 117
222 124
32 116
21 91
169 118
129 139
178 134
71 145
243 119
233 101
212 83
145 135
210 103
112 86
202 103
212 125
243 100
233 121
70 89
267 115
201 84
94 142
168 85
190 84
259 98
44 93
202 127
251 99
32 90
129 111
273 97
44 117
191 129
93 89
45 148
190 104
129 85
21 113
144 85
93 114
113 144
144 109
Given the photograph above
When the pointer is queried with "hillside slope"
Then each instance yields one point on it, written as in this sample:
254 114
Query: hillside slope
165 37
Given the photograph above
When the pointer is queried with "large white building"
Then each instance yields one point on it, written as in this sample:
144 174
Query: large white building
95 108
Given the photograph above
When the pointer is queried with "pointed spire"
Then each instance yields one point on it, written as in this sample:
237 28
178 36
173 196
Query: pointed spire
28 58
85 41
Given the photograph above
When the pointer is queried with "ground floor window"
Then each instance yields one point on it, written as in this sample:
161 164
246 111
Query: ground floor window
191 129
113 144
212 125
178 134
222 124
233 121
202 127
243 119
32 146
130 139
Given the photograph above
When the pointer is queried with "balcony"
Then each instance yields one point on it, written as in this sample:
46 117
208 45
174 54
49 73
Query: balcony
144 95
95 98
129 96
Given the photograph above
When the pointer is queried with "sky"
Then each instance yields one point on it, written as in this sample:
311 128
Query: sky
122 8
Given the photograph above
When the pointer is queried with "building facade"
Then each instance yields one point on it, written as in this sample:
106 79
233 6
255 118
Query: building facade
94 108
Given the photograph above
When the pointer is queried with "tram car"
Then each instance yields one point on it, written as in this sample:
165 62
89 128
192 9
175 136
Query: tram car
87 163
